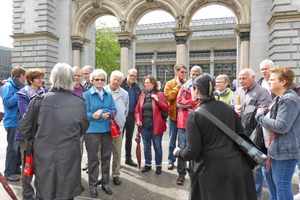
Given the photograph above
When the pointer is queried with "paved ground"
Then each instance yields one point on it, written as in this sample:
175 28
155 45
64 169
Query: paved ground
134 185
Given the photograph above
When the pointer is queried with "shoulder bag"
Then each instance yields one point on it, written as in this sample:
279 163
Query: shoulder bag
114 127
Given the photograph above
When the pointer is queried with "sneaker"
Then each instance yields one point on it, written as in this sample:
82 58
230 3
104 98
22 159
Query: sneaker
12 177
146 168
29 198
181 179
158 170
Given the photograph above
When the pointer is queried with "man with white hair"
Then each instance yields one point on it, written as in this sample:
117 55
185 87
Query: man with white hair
121 99
86 71
265 67
78 88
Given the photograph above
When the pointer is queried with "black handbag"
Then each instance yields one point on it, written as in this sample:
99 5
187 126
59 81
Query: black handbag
254 156
258 138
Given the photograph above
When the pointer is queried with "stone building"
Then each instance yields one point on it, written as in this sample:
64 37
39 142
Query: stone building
50 31
5 63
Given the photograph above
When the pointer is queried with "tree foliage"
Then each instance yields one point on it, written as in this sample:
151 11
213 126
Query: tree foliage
107 49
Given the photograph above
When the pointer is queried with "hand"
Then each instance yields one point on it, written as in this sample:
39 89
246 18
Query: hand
177 81
105 116
237 109
154 96
175 150
139 124
260 110
97 114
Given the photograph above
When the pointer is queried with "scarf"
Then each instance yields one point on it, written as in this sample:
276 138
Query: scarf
17 82
148 95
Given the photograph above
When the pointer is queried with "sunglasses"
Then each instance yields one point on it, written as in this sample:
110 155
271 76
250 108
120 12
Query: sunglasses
99 79
183 72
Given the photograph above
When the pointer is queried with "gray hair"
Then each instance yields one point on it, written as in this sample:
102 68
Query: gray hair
87 68
129 71
270 62
76 68
116 73
196 68
250 71
225 78
62 76
97 72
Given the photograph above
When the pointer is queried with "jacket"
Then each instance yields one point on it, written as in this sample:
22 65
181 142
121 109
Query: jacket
226 97
122 106
286 144
171 92
159 124
136 88
94 103
185 103
10 103
57 159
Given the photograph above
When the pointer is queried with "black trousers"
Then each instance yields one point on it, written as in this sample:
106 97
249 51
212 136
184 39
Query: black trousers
129 128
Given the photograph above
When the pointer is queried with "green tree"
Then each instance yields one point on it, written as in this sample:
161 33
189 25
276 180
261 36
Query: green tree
107 49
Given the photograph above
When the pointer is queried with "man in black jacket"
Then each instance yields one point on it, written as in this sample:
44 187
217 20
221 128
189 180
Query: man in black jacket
134 92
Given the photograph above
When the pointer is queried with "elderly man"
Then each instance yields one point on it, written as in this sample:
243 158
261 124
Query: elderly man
86 71
185 102
10 103
171 91
78 88
121 99
251 94
134 93
265 67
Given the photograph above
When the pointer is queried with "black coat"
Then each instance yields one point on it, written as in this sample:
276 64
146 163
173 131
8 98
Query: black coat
136 88
57 159
219 170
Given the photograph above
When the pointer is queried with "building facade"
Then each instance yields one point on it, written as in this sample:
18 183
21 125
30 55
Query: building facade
5 63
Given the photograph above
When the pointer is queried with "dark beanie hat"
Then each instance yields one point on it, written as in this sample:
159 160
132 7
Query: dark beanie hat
206 84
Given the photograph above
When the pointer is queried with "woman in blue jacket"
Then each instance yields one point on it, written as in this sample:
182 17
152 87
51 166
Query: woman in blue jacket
99 104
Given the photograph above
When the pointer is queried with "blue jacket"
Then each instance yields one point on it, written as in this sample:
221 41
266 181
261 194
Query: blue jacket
286 144
10 103
94 103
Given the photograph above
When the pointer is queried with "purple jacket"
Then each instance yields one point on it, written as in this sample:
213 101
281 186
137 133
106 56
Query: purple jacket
23 100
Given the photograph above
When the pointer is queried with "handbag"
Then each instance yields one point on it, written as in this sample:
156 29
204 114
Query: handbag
254 156
257 137
164 114
114 127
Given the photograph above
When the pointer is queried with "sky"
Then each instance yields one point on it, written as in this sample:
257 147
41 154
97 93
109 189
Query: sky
152 17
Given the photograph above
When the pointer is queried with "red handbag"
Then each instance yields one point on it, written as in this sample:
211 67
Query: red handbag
28 171
114 127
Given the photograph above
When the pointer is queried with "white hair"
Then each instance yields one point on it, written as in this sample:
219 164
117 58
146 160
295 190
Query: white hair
62 76
250 71
116 73
270 62
97 72
131 70
196 68
87 68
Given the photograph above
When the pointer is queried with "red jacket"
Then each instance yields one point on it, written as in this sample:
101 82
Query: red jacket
159 124
184 102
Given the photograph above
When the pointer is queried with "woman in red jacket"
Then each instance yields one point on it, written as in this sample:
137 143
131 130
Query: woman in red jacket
148 115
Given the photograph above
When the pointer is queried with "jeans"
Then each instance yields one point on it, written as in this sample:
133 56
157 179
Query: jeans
147 136
181 167
298 174
172 139
270 183
259 181
11 162
282 173
129 128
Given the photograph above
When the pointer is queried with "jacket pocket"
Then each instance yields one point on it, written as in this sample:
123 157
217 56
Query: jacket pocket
283 144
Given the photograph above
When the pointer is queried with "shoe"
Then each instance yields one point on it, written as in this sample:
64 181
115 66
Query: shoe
82 188
99 181
107 190
146 168
12 177
117 180
158 170
29 198
85 167
87 171
94 192
130 162
18 171
181 179
170 166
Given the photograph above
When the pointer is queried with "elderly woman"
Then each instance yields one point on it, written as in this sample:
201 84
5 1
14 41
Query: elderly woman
99 104
148 116
34 78
61 121
223 92
283 121
219 168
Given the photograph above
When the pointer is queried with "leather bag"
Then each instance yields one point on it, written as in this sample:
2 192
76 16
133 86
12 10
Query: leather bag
114 127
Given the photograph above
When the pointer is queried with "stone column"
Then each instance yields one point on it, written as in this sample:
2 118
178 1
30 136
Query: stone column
245 45
212 62
76 48
125 44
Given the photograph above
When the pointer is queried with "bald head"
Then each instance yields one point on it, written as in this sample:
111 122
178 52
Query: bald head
247 78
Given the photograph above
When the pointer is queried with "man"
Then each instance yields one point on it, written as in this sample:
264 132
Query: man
134 92
121 99
78 88
86 71
10 103
251 94
265 67
171 91
185 102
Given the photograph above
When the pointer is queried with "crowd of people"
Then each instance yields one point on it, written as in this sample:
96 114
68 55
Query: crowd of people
76 113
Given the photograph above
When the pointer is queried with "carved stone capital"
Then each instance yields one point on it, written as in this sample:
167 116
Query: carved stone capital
124 43
77 46
181 39
244 36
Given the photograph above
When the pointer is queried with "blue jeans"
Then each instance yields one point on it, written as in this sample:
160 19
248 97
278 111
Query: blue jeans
282 173
181 167
298 173
156 140
11 162
259 181
270 183
172 139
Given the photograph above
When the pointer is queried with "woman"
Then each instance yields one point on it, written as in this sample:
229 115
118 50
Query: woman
34 78
223 92
99 104
283 121
219 169
148 116
61 121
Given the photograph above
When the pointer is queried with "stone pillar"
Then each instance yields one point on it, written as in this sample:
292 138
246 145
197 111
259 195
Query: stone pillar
76 48
245 45
125 44
212 62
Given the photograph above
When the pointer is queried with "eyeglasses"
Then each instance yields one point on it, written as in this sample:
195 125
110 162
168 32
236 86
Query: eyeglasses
146 83
183 72
99 79
132 76
39 79
220 82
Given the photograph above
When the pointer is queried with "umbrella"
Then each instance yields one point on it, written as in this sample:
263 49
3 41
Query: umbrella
138 147
6 187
